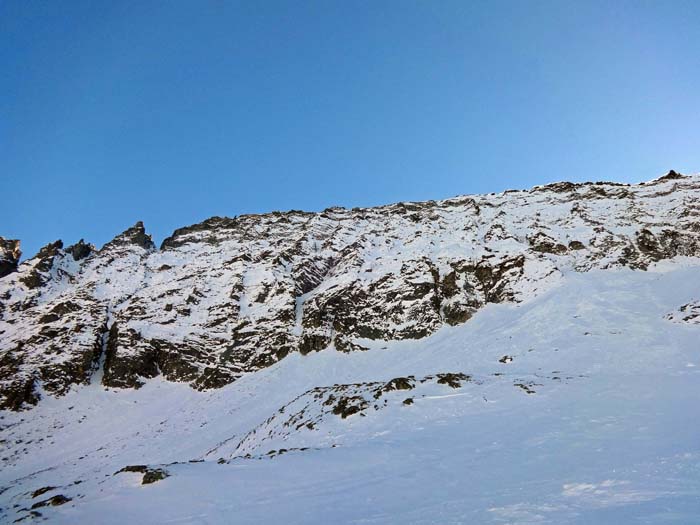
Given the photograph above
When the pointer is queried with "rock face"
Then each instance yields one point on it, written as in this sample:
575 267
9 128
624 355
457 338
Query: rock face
230 296
9 256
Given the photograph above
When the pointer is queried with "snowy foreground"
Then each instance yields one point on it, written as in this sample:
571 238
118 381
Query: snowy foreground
580 406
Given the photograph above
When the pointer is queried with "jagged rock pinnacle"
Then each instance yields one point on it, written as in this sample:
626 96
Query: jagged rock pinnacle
671 175
80 250
9 256
134 236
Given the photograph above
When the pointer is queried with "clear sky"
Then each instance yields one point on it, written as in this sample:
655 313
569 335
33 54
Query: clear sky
171 112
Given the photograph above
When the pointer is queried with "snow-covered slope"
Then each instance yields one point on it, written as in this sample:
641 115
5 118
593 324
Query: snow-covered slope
516 358
592 420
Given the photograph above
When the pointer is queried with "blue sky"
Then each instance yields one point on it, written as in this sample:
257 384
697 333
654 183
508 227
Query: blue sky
171 112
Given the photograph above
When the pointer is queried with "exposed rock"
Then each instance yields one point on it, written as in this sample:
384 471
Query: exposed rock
558 187
154 475
42 490
526 387
150 474
18 393
543 243
133 468
80 250
347 406
671 175
41 263
398 383
134 236
179 236
687 314
53 501
452 380
9 256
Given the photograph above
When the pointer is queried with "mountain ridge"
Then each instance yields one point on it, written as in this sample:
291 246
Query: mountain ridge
229 296
216 220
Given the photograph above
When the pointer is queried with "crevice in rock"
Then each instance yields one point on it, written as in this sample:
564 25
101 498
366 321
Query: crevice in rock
104 341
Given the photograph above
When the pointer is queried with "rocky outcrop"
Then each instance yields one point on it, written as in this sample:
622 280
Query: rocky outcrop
42 263
9 256
305 421
150 474
134 236
230 296
80 250
687 314
671 175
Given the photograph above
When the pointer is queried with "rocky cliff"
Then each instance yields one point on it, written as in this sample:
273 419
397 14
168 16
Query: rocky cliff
230 296
9 256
